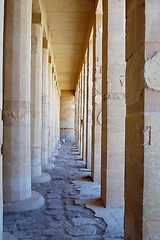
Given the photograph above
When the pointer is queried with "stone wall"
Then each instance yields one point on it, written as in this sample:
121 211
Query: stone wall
67 115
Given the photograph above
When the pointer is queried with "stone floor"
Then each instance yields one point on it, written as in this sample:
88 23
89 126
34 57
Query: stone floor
73 209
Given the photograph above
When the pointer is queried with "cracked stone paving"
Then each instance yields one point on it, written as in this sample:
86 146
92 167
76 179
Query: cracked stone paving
72 210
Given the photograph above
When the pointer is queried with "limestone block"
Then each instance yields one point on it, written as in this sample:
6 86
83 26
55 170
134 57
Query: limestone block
135 85
45 133
152 28
36 96
135 32
1 123
113 105
67 115
17 58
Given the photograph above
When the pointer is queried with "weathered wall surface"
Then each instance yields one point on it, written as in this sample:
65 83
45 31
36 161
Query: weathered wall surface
67 115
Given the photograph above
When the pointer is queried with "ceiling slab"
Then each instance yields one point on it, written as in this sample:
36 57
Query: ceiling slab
68 21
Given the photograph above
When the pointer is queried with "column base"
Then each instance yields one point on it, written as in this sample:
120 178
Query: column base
44 177
55 154
74 147
51 159
34 202
75 150
75 153
47 166
7 236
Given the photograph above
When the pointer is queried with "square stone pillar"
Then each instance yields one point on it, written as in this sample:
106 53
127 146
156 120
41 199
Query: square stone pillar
89 104
1 123
84 109
113 104
80 109
97 99
53 112
16 113
79 105
76 115
56 115
45 112
36 104
142 166
49 105
81 114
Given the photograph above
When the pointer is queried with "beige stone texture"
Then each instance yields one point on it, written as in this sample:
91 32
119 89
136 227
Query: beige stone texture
1 123
57 117
77 115
97 99
16 113
81 115
66 22
49 106
67 115
113 106
89 104
45 124
36 99
142 122
53 113
76 122
84 104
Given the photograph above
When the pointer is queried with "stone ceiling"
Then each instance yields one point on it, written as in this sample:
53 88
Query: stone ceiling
68 22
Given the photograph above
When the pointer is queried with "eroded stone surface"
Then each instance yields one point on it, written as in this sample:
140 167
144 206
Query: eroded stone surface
60 218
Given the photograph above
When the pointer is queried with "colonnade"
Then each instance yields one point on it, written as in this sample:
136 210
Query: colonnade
29 132
117 108
123 99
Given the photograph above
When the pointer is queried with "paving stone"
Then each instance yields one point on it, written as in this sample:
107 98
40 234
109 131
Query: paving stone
54 212
82 221
81 230
51 206
64 217
74 208
53 196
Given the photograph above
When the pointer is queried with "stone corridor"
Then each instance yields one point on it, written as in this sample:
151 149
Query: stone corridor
62 217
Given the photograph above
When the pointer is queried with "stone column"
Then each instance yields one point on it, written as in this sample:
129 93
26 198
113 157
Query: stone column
97 99
45 112
57 116
58 130
142 169
49 104
113 104
89 104
16 113
76 114
1 123
84 109
81 113
53 114
79 116
36 104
